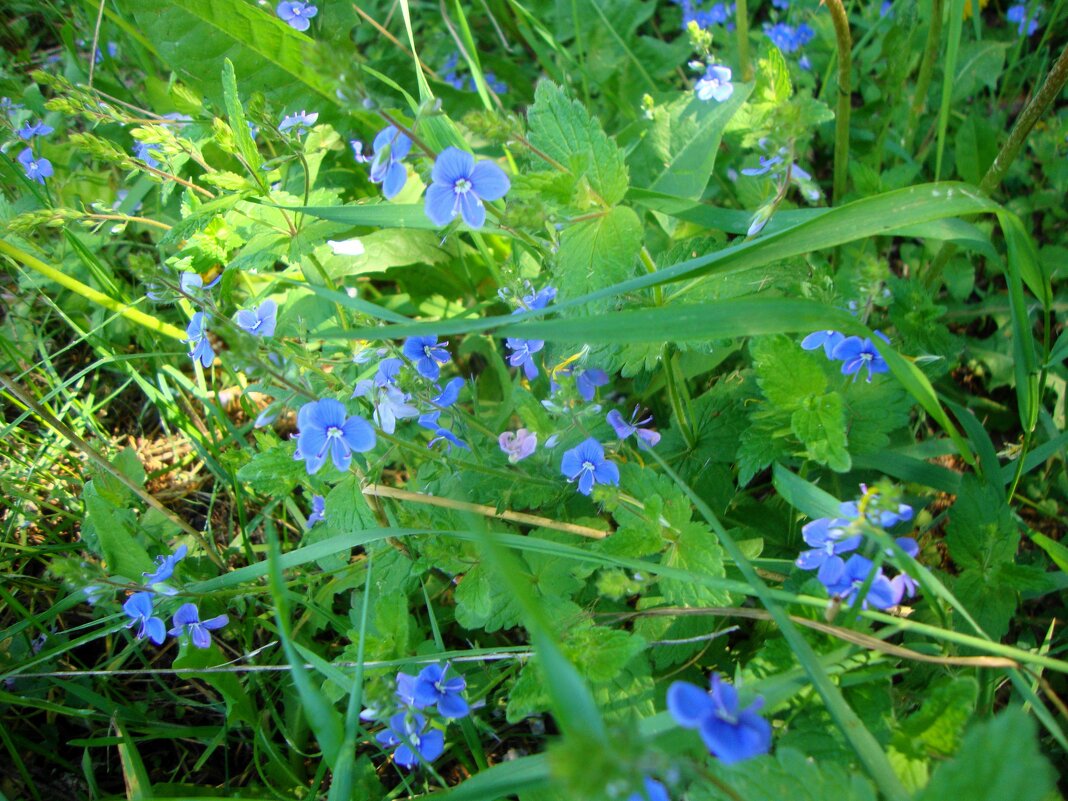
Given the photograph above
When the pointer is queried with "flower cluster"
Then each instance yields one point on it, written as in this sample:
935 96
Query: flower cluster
788 38
37 168
139 607
298 122
730 733
855 353
448 74
830 538
1025 21
715 84
695 11
407 731
296 15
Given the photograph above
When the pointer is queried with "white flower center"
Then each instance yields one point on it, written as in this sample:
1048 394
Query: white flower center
333 432
462 186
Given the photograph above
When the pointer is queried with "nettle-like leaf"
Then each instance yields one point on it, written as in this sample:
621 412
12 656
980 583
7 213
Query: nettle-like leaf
273 471
787 774
597 253
562 129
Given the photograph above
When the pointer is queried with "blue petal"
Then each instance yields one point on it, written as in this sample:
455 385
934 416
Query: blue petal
489 181
441 204
472 209
688 704
201 636
452 705
607 473
186 614
452 165
396 176
358 434
156 630
432 745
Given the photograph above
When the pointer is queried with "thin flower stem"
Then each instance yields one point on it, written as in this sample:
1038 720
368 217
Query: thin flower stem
96 42
409 132
923 80
128 218
177 180
845 88
393 39
745 65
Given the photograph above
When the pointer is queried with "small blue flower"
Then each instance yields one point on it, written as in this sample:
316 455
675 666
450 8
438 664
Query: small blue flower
357 151
301 120
828 538
261 321
846 580
388 372
884 518
537 300
139 609
522 355
296 14
32 129
653 791
390 147
36 169
729 732
427 354
324 428
147 153
461 185
431 688
586 464
390 404
197 338
187 618
318 512
766 166
715 84
8 107
406 732
828 340
518 444
624 429
588 380
1024 21
857 354
165 566
448 396
430 421
787 38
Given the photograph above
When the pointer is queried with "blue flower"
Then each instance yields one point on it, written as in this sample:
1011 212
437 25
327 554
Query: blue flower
324 428
715 84
406 732
522 355
259 322
718 14
187 618
318 512
427 354
388 372
828 340
624 429
586 464
653 791
766 165
390 404
36 169
32 129
537 300
731 733
300 120
296 14
8 107
431 688
165 566
828 539
197 338
518 444
884 518
430 422
390 147
139 609
845 581
588 380
357 151
787 38
460 187
147 153
448 396
1024 21
856 354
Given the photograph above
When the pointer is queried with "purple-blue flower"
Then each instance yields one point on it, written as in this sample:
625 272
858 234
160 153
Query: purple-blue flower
586 464
301 120
318 512
388 371
430 422
829 538
652 790
731 733
828 340
845 581
766 165
431 688
147 153
36 169
787 38
518 444
715 84
461 185
883 518
857 354
357 151
1024 21
449 395
296 15
587 381
139 609
427 354
407 731
165 566
187 618
522 355
537 300
324 428
197 338
624 429
32 129
261 321
390 147
390 404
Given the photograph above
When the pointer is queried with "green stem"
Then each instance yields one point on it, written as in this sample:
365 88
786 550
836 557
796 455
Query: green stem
745 66
845 88
923 80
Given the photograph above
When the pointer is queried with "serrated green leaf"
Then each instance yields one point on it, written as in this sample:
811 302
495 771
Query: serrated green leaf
787 774
597 253
786 373
820 425
693 548
236 114
563 130
939 724
273 471
981 533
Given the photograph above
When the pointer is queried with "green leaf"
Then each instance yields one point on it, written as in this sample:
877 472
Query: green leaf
786 373
195 37
981 533
999 759
694 549
820 425
111 532
563 130
787 774
273 471
937 727
484 603
239 705
597 253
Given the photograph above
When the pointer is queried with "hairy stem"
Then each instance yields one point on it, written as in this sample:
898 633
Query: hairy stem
845 88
